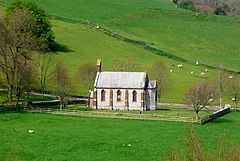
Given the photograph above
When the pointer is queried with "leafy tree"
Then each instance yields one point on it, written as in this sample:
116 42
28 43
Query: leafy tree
199 95
43 29
86 74
16 42
159 73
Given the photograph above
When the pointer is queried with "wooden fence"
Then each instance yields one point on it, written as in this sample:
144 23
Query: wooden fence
215 115
112 114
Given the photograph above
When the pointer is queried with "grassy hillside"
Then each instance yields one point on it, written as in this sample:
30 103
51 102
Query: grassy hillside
209 39
79 138
86 43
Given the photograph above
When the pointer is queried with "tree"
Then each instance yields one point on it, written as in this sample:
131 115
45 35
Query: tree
16 42
86 74
43 29
46 71
234 90
160 74
222 82
26 78
62 82
127 65
199 95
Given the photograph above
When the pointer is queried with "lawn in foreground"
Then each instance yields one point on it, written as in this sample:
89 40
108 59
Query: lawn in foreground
79 138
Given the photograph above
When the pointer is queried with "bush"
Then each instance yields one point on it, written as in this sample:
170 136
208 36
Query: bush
222 10
187 4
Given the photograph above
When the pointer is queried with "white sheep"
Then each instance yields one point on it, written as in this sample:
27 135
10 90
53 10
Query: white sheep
30 131
97 27
210 100
191 72
206 70
230 77
202 75
233 99
197 63
180 66
171 71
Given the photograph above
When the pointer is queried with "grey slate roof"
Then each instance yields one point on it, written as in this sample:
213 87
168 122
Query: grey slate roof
120 80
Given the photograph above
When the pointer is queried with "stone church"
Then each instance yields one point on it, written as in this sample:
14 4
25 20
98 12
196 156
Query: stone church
123 91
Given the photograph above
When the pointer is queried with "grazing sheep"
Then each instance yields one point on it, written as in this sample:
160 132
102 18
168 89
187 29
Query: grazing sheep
230 77
233 99
197 63
206 70
30 131
171 71
210 100
202 75
97 27
129 145
191 72
180 66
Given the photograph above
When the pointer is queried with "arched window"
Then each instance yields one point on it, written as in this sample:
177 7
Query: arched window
103 95
119 95
134 96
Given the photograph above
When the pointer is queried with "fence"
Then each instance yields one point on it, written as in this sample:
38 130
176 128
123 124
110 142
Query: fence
215 115
112 115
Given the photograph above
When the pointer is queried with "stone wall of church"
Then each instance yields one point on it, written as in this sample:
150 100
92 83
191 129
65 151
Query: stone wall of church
125 102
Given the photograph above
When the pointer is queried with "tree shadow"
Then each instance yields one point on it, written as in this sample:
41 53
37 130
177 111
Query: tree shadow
61 48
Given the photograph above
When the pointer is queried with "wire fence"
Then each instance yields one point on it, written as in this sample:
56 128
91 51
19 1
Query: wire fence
112 114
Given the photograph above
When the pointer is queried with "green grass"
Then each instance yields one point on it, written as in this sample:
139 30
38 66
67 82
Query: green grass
79 138
209 39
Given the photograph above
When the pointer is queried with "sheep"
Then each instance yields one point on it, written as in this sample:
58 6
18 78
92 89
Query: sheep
180 66
197 63
233 99
191 72
202 75
97 27
30 131
206 70
129 145
210 100
230 77
171 71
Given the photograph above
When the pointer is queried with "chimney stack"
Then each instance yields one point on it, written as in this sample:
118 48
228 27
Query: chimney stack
99 65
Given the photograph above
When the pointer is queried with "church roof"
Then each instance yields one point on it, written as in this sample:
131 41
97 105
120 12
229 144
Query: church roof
120 80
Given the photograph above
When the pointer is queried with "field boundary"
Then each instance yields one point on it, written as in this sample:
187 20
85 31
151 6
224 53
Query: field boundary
113 115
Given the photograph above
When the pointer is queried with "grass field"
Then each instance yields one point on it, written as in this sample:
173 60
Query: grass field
78 138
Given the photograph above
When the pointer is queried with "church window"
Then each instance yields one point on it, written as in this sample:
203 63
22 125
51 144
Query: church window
134 98
103 93
119 95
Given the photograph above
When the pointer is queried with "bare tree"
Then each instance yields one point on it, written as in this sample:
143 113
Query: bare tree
222 82
63 84
160 74
234 89
86 74
127 65
46 71
16 42
199 95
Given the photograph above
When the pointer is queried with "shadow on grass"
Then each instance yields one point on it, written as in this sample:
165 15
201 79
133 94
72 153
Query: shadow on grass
162 109
222 120
61 48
